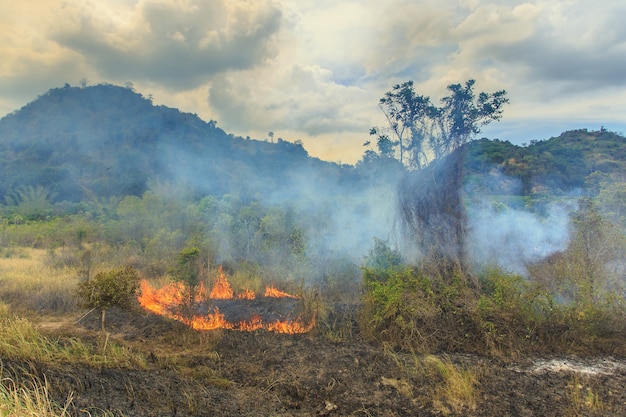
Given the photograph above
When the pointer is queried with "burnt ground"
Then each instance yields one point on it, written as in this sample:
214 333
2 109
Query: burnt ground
232 373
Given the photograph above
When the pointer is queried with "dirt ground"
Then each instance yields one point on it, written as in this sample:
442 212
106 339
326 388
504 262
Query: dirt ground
232 373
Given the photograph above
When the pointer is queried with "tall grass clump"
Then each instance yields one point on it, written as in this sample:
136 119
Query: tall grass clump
452 389
30 399
21 340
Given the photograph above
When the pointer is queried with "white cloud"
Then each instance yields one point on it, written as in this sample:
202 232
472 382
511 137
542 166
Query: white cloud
178 43
297 98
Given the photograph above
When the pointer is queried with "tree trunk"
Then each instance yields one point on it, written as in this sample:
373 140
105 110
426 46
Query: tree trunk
102 317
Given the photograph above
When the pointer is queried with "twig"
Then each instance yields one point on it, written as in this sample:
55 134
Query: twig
84 315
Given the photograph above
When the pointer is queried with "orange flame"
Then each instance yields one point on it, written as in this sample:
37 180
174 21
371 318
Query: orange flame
166 300
247 295
272 291
222 289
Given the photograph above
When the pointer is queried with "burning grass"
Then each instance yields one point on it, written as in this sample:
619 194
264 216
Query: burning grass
273 311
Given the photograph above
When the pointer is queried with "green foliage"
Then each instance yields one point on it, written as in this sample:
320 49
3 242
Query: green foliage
572 302
113 288
397 306
188 271
427 132
579 159
188 267
31 202
382 258
510 309
586 284
108 141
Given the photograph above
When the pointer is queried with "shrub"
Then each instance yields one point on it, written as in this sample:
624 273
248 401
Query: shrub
114 288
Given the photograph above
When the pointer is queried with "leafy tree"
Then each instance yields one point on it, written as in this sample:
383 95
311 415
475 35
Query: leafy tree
114 288
32 203
407 116
188 267
430 200
429 132
595 244
462 114
382 257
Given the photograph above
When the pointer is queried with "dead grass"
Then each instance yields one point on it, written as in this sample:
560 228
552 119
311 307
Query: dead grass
31 398
28 283
453 389
583 398
457 392
21 340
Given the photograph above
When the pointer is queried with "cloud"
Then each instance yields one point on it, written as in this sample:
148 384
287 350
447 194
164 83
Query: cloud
300 98
177 43
570 47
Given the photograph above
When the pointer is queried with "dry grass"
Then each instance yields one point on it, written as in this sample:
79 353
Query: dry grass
583 399
21 340
457 391
28 283
30 399
454 387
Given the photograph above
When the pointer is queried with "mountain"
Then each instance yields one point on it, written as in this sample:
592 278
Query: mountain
107 141
566 164
110 141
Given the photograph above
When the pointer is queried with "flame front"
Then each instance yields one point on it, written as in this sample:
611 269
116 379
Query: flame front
272 291
167 301
222 289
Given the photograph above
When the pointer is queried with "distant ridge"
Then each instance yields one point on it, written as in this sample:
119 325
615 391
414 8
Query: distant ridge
555 166
108 140
111 140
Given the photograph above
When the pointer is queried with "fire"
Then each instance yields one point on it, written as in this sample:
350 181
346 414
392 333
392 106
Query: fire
166 301
272 291
222 289
247 295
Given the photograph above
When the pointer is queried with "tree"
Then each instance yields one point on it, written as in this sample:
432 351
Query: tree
32 203
462 115
188 268
596 244
406 113
114 288
431 203
428 132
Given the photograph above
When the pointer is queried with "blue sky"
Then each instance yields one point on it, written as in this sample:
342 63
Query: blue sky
315 70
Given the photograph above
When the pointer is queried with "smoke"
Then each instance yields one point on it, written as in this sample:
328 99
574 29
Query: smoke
341 217
513 238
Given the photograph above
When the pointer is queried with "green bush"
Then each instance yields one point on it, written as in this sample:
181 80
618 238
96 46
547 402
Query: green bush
114 288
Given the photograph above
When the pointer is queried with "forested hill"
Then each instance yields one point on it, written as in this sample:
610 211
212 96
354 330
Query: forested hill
110 141
579 161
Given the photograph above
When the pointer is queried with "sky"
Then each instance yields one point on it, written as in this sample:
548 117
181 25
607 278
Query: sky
314 70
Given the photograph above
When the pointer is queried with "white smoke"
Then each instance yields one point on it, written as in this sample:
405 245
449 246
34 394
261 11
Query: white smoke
513 238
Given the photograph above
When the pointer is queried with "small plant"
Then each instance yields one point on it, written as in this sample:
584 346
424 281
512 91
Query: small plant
457 390
114 288
582 399
188 271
